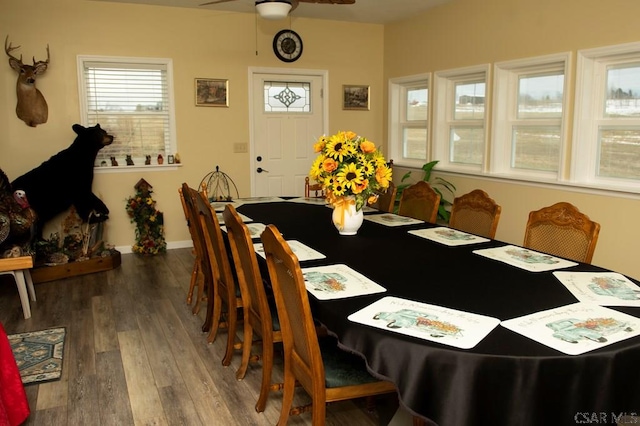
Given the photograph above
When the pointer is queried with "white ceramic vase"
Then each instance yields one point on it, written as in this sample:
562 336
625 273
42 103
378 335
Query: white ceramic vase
346 218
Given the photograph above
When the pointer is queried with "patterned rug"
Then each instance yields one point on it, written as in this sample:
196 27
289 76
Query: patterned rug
39 354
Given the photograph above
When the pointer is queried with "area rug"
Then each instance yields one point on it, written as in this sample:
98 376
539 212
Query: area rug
39 354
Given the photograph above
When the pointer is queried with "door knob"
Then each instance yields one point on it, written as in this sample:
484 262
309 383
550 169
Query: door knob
260 170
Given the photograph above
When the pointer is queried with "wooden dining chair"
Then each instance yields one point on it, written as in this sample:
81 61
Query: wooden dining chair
562 230
316 188
225 299
476 213
197 279
386 199
325 372
420 201
259 311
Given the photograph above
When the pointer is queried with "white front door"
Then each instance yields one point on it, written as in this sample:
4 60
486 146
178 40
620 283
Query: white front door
288 117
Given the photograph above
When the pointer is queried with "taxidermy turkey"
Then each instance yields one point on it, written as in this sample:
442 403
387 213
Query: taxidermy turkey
17 221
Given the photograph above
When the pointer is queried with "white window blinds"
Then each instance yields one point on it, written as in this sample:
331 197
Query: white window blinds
132 101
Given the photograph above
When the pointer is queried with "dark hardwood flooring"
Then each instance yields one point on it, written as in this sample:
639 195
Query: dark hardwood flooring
135 354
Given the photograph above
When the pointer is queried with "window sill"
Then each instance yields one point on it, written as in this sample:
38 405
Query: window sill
146 168
584 188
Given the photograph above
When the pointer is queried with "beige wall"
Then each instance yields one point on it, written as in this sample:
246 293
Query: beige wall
470 32
210 44
202 43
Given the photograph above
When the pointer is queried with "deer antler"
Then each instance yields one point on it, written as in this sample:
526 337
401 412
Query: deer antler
35 64
10 48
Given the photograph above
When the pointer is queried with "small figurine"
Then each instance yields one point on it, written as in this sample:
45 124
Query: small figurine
160 159
147 160
177 158
129 160
103 163
114 162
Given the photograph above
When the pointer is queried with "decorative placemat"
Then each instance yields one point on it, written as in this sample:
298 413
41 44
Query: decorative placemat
429 322
300 250
337 282
448 236
390 219
38 354
242 217
255 229
523 258
577 328
601 288
255 200
309 200
220 205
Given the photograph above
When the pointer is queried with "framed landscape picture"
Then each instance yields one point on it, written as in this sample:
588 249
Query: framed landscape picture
212 92
355 97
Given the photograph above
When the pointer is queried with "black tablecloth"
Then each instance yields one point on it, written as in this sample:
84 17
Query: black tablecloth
507 378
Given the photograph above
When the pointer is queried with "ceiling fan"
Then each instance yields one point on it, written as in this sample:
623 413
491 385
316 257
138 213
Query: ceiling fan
278 9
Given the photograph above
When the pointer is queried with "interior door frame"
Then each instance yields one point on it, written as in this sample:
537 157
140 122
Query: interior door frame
324 74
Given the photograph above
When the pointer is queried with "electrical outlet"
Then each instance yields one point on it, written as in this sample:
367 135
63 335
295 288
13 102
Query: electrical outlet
240 148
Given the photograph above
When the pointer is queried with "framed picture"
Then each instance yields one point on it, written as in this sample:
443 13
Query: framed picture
355 97
212 92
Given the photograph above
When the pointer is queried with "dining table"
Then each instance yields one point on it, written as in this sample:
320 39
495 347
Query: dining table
506 378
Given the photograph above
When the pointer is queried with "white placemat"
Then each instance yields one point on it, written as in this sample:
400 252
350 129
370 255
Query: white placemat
390 219
304 200
337 282
577 328
429 322
601 288
254 200
255 229
448 236
302 251
243 217
525 259
220 205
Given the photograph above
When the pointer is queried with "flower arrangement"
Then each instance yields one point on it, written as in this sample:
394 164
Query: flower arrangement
350 165
141 208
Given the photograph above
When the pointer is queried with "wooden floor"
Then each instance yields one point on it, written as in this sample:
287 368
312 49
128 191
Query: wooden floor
135 354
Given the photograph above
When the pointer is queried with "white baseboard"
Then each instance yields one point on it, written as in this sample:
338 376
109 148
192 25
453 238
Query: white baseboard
170 246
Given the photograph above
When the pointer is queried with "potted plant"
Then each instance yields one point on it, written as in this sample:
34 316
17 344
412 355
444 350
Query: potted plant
440 185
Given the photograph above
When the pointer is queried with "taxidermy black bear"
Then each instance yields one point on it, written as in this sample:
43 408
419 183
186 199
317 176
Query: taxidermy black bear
66 179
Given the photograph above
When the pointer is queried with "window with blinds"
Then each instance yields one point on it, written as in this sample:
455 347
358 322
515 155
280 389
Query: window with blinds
131 98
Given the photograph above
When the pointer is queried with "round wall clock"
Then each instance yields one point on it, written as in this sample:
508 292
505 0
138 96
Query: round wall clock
287 45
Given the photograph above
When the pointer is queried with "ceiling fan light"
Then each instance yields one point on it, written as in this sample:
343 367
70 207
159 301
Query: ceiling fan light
273 9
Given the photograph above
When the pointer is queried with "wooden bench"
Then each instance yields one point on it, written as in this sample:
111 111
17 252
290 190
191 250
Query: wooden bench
19 267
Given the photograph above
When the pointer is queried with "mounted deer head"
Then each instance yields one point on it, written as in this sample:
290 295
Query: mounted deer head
32 107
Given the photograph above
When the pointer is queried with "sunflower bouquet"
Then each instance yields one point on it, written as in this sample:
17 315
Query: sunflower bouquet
349 165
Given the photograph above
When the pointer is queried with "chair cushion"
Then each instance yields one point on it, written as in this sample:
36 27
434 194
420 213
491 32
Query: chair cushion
342 368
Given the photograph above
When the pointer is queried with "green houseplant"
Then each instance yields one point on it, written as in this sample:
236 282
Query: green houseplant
440 185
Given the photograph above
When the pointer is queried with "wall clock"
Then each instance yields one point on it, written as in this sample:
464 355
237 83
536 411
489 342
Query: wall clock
287 45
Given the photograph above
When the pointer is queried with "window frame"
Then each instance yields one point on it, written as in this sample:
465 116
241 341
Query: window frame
397 112
591 93
504 115
443 115
165 63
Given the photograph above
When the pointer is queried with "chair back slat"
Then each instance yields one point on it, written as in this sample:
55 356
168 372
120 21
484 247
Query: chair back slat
476 213
252 287
314 188
562 230
298 330
420 201
189 196
387 199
